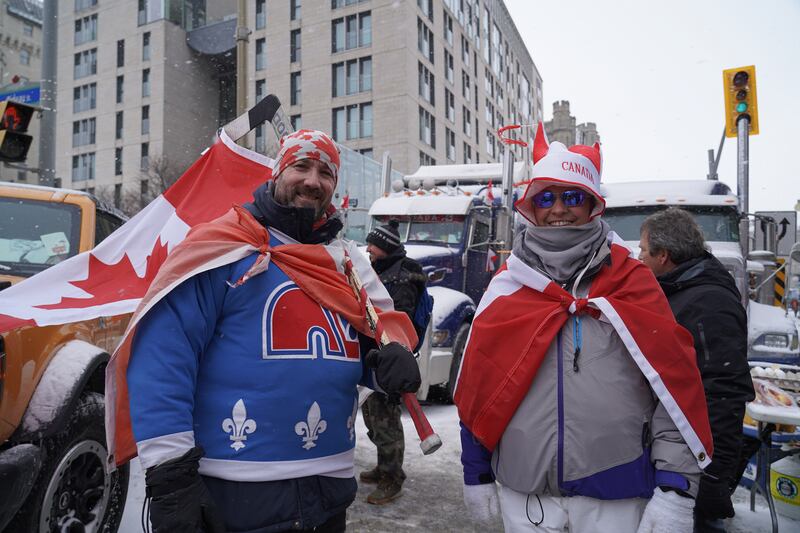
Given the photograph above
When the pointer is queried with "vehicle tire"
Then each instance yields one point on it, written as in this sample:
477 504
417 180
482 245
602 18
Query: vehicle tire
74 490
458 351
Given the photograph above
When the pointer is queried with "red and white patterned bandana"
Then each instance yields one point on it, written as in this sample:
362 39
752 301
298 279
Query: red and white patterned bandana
307 144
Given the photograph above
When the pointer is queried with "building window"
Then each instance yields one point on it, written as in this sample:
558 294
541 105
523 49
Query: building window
145 158
351 32
296 89
80 5
261 143
427 128
84 97
297 122
294 9
352 122
120 87
465 86
467 154
426 84
450 143
84 132
427 8
27 29
146 46
83 167
145 119
261 54
351 77
448 66
425 159
85 29
335 4
121 53
450 106
85 64
261 14
294 46
425 40
144 189
261 89
117 172
366 152
489 113
466 121
448 28
146 82
118 125
490 144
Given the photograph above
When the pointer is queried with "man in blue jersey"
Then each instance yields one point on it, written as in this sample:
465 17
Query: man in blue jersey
242 379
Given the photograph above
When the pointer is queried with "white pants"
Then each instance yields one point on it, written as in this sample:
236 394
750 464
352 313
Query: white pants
523 513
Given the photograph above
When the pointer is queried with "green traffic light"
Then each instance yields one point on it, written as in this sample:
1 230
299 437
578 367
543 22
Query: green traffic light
741 107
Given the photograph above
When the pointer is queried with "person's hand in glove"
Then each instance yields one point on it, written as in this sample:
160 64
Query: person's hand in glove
179 501
482 502
667 512
395 367
713 499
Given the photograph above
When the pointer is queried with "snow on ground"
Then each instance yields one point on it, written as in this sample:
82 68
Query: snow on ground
431 500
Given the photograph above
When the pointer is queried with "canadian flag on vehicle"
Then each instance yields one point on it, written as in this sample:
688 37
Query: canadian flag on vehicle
490 192
112 278
491 258
345 201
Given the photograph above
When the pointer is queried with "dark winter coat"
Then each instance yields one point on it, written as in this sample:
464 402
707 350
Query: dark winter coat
705 301
403 278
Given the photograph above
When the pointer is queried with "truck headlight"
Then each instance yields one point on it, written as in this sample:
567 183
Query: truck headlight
776 341
439 337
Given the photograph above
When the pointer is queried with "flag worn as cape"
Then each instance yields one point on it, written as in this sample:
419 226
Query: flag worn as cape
112 278
316 269
520 315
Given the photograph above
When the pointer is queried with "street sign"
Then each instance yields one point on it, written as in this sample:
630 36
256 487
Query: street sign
787 230
26 95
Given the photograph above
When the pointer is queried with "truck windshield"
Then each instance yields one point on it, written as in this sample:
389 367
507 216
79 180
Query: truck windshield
438 229
35 235
717 223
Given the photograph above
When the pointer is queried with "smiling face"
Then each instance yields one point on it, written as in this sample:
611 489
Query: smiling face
307 183
559 214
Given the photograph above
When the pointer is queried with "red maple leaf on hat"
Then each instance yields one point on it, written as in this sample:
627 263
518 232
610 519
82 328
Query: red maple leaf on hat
111 283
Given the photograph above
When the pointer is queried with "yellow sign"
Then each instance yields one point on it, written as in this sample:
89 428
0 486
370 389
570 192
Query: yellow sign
740 98
780 284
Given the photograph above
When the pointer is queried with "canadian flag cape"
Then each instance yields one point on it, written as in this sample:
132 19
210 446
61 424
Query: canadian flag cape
520 315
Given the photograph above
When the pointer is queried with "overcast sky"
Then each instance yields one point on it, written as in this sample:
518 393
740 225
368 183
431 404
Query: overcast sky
649 73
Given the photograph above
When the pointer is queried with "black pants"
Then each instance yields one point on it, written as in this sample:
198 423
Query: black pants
335 524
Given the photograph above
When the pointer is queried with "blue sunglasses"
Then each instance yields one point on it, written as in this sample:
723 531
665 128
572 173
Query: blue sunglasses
571 198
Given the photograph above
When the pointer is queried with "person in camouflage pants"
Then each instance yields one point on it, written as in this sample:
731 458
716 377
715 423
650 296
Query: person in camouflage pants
405 281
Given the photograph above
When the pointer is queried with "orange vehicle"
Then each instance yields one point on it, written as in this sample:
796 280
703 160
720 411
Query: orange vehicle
53 469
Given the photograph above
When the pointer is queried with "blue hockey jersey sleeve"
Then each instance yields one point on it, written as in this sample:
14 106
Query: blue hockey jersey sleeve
162 373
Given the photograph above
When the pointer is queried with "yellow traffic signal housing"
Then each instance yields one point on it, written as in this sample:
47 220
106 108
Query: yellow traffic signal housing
14 120
740 98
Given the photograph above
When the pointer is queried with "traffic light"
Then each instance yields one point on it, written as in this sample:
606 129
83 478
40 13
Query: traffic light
14 120
740 98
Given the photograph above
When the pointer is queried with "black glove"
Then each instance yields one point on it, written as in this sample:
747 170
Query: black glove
713 499
395 369
179 501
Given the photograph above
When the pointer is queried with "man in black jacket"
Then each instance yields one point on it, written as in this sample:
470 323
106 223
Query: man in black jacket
705 301
405 281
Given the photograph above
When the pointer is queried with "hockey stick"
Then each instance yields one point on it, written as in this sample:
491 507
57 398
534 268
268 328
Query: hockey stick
429 440
266 110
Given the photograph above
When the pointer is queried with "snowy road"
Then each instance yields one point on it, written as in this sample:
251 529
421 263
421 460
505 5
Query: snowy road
431 500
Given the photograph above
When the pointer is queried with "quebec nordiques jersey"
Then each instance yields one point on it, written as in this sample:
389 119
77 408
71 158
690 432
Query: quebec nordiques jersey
261 376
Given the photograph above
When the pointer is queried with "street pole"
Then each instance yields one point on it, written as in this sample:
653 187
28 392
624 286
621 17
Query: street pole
742 177
47 127
242 37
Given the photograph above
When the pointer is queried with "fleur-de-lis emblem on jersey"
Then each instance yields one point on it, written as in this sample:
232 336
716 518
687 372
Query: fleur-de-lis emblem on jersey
239 425
312 427
351 420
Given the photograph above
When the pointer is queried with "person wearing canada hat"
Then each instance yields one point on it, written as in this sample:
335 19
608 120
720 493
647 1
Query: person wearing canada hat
580 401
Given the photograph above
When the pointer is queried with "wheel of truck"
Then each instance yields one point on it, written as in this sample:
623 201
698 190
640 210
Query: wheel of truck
458 351
75 491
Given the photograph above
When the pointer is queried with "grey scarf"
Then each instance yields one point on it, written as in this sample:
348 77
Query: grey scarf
560 252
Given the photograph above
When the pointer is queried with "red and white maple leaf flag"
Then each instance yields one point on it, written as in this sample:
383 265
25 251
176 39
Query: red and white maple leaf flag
490 192
112 278
491 258
345 201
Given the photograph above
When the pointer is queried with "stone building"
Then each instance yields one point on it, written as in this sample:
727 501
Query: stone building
563 128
